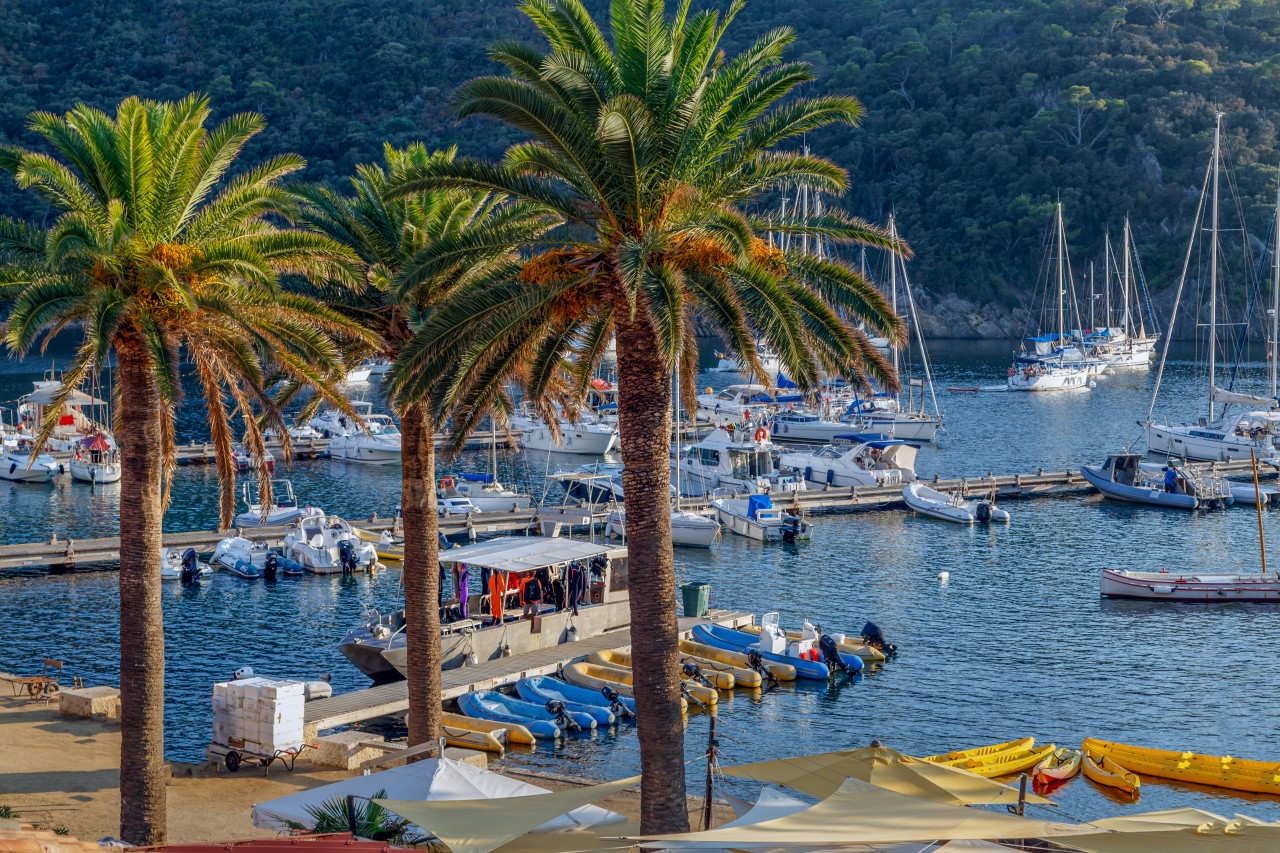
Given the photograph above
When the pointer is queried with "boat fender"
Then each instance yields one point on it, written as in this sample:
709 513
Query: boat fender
562 719
831 654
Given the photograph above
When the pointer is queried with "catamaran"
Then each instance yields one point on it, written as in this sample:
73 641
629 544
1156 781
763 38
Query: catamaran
1219 436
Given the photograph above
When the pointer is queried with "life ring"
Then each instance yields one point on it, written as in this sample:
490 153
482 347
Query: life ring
446 483
1010 371
762 434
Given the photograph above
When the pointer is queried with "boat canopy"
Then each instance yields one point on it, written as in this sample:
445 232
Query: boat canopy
524 553
47 397
877 440
755 503
478 478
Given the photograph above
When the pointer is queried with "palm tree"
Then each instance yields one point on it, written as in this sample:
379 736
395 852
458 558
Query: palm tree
154 251
648 145
388 236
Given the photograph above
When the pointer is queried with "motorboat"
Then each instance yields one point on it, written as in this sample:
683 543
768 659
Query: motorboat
380 366
377 442
772 645
334 422
248 559
856 460
455 506
325 545
1206 586
805 427
738 404
182 564
755 517
242 459
484 492
360 373
951 507
587 435
733 461
543 721
297 432
1228 439
688 528
769 360
73 424
283 508
20 462
96 461
1124 477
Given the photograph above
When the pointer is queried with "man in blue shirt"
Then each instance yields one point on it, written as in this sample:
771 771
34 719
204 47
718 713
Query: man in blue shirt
1170 479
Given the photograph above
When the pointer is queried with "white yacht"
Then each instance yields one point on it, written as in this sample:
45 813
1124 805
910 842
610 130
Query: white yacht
1124 346
376 443
884 414
73 424
358 374
856 460
734 463
20 462
769 360
687 528
588 436
95 461
484 492
799 426
326 545
735 404
297 432
755 517
332 422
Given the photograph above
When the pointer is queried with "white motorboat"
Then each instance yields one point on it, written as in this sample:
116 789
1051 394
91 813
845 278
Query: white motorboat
182 564
805 427
455 506
242 459
377 443
283 508
588 436
96 461
19 462
332 422
687 528
857 460
736 404
484 493
244 558
325 545
73 424
297 432
359 373
755 517
734 463
380 366
952 507
769 360
1207 587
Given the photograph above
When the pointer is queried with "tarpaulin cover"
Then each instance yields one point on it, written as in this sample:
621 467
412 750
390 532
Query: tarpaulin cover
821 775
523 553
1183 830
481 825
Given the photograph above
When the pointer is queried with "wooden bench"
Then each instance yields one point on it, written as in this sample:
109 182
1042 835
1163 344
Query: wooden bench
46 684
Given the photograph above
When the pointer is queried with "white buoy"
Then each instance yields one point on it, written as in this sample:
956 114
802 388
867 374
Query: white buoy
944 576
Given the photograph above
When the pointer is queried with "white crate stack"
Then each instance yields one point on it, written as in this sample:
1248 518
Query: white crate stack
258 715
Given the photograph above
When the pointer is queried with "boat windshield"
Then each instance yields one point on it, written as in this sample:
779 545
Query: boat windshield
829 452
749 464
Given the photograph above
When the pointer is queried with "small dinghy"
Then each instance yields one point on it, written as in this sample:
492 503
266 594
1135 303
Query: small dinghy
282 510
251 559
774 648
952 507
863 650
593 676
183 565
607 706
549 720
326 545
718 657
720 680
755 517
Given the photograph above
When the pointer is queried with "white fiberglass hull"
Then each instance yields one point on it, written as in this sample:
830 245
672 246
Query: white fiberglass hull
1182 441
360 374
276 518
94 472
357 448
750 528
815 433
15 468
1201 587
1130 358
1054 379
499 503
687 529
901 425
586 442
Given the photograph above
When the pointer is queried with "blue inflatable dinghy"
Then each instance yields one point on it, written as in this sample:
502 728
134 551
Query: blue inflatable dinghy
736 641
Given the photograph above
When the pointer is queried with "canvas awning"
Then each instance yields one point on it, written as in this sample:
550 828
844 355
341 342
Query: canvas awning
523 553
479 826
821 775
435 779
861 813
1184 830
46 397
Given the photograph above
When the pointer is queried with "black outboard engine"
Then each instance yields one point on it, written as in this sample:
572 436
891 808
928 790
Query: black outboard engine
694 672
616 704
562 719
755 660
347 555
190 565
984 512
872 636
271 567
790 529
831 654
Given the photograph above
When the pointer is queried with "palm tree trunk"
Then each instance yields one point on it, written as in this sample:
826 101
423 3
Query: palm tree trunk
644 424
142 770
421 573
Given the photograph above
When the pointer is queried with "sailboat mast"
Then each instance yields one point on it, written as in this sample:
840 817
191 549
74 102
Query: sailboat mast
1124 299
1093 286
893 283
1061 275
1106 266
1213 267
1275 292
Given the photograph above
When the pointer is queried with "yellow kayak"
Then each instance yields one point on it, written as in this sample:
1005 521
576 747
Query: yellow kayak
781 671
595 676
1104 770
862 650
1220 771
385 550
959 756
1006 763
622 660
514 733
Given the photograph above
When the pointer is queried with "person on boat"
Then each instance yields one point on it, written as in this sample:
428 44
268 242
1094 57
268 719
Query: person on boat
1170 480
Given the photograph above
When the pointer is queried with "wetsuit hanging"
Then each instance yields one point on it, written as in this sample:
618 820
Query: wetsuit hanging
464 591
577 586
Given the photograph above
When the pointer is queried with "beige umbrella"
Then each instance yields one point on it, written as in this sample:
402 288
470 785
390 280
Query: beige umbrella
822 774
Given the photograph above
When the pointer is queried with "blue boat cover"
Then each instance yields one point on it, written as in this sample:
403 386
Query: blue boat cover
876 440
784 382
757 502
478 478
1046 339
765 398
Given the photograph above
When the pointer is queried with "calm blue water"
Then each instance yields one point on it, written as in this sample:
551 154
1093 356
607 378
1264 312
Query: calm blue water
1016 642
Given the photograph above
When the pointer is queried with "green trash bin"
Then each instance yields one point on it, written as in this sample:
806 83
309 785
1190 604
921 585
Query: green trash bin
697 599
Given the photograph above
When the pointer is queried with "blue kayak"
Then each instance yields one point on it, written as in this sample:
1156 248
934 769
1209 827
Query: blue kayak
542 689
492 705
736 641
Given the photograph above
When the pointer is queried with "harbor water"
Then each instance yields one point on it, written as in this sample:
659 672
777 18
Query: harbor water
1014 642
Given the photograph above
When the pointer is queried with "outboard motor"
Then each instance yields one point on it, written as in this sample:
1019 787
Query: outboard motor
616 704
755 660
562 719
984 512
690 698
873 637
831 654
347 556
270 566
790 528
694 672
190 565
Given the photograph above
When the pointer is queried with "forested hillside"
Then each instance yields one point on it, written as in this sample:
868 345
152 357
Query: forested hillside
979 112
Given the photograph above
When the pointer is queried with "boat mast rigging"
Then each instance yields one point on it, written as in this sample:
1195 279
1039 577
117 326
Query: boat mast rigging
1213 266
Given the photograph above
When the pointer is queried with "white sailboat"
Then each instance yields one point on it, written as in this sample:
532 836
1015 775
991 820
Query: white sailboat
1054 364
1123 345
1219 436
588 436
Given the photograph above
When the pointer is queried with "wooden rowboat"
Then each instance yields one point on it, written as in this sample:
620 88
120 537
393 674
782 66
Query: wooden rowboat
1102 769
959 756
1060 764
1219 771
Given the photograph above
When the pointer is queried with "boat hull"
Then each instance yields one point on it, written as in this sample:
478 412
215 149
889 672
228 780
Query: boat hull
95 472
585 442
901 426
1134 494
736 641
1201 587
1178 441
349 450
1103 770
1053 380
